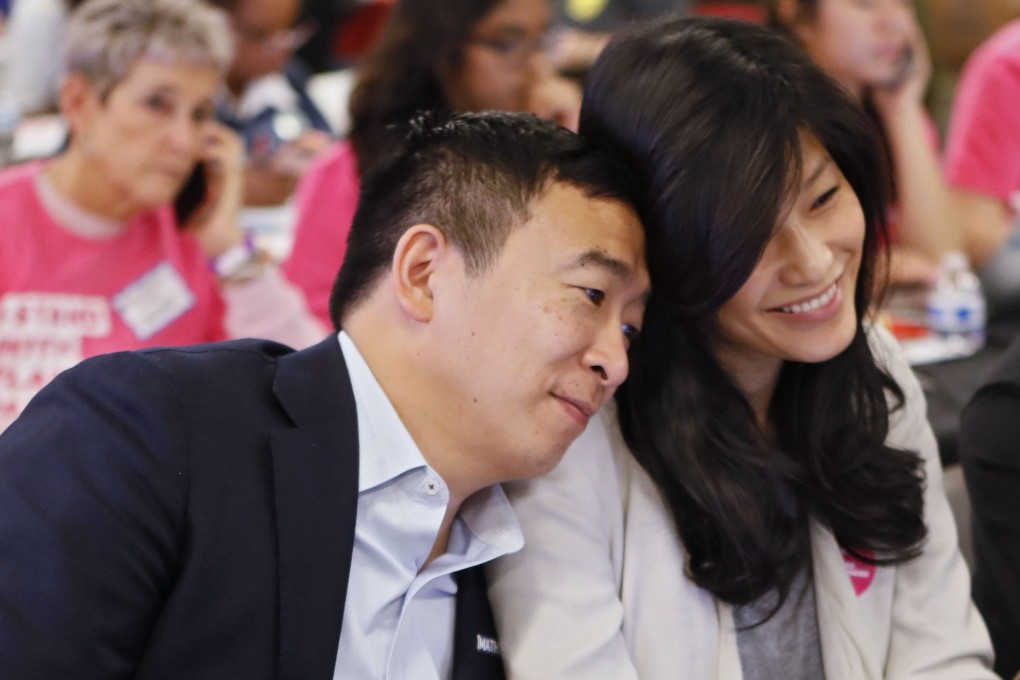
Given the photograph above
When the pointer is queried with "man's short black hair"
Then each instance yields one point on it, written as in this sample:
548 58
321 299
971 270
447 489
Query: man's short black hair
474 176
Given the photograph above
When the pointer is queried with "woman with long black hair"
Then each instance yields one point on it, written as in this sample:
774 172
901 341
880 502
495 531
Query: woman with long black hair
766 500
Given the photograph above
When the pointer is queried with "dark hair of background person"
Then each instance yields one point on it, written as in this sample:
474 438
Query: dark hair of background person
472 175
401 75
710 111
808 11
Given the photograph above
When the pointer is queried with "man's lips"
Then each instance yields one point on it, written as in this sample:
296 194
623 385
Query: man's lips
581 410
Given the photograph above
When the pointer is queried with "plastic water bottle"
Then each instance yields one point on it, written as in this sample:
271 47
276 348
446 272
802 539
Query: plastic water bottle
10 118
956 306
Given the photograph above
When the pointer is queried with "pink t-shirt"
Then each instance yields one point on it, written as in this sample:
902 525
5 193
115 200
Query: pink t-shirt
66 295
326 199
983 146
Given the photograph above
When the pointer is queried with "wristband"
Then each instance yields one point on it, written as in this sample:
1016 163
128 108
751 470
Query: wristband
233 261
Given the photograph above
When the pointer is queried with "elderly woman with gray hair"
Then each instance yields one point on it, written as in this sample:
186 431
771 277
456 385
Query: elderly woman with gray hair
129 238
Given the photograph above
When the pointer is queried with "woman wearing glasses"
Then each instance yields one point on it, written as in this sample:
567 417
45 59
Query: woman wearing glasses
433 54
94 258
264 82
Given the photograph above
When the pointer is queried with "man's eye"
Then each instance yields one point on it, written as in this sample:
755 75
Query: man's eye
596 296
631 332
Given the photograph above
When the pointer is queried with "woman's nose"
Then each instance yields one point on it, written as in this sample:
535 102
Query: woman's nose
808 257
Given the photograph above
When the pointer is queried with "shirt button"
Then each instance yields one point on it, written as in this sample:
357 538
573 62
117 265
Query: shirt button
431 487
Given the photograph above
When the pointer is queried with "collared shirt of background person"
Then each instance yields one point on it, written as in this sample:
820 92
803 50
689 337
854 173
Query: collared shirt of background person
264 81
93 256
432 55
983 164
991 466
876 50
218 511
766 501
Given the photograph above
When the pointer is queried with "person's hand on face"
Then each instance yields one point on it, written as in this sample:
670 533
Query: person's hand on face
909 84
271 180
215 222
293 158
557 99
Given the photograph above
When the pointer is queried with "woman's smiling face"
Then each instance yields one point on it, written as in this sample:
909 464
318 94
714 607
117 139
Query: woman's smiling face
798 303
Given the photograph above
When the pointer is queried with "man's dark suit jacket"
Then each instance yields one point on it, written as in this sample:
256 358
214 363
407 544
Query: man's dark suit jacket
989 445
189 513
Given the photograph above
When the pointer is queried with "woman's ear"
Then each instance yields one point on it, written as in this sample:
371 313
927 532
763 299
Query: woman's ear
418 257
78 98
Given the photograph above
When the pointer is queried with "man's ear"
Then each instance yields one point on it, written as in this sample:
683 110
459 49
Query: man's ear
416 260
78 98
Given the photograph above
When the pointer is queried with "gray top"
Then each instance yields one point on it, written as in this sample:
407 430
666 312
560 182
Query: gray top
787 645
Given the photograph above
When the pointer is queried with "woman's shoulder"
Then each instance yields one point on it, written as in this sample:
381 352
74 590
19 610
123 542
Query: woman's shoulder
339 163
19 178
889 354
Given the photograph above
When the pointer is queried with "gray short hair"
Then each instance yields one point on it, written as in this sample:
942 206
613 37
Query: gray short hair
106 37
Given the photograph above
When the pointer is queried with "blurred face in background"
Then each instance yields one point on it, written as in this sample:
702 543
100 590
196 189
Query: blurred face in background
862 43
502 60
265 38
139 143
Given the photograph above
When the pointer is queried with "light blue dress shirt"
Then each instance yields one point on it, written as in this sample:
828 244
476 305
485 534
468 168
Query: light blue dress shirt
398 623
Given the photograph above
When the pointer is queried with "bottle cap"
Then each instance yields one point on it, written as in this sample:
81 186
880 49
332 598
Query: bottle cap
955 260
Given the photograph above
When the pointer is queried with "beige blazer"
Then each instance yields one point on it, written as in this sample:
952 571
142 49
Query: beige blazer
599 589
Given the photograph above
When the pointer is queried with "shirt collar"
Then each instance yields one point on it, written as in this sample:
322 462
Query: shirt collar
388 451
386 447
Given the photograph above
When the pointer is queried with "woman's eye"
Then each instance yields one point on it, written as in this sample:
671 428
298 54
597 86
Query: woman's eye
597 297
159 104
824 198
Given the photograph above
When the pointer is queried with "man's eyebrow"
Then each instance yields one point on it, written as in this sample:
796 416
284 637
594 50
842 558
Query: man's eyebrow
599 258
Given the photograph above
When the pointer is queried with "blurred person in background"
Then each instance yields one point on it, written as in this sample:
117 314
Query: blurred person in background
266 99
129 237
983 165
877 51
432 55
35 36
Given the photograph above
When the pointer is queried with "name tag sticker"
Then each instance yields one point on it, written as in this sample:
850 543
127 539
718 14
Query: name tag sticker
861 573
152 302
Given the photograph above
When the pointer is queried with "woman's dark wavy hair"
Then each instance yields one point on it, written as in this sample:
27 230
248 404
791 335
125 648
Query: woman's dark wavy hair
402 74
710 112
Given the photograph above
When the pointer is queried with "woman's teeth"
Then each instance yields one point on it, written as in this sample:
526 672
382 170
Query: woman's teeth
813 303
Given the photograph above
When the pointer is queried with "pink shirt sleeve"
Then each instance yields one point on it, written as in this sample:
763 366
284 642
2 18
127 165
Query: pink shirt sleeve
270 307
983 146
326 199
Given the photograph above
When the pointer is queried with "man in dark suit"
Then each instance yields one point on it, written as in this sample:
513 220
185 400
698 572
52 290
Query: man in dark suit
241 510
989 445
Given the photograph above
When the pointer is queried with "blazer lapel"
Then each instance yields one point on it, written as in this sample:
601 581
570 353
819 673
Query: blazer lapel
315 474
836 604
